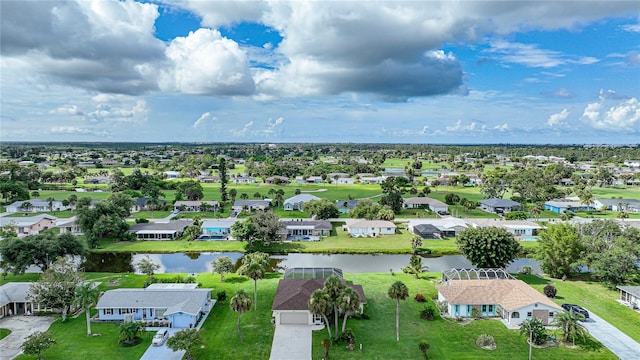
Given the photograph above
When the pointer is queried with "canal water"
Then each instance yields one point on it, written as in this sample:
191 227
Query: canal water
349 263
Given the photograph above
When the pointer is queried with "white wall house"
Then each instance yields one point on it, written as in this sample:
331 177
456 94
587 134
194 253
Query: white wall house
369 228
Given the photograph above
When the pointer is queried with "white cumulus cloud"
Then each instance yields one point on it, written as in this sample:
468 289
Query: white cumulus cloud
558 119
617 117
201 119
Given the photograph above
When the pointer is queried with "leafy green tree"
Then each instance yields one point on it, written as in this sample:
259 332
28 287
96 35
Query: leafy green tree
333 286
370 210
86 296
254 266
489 247
39 250
187 340
559 249
147 266
415 266
320 304
36 343
348 304
392 190
129 331
569 323
261 228
416 242
192 232
106 218
398 291
56 288
534 329
240 303
14 191
26 206
222 265
233 193
516 215
190 190
321 209
224 179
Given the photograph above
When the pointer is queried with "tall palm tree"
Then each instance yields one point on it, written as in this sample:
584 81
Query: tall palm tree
240 302
26 206
320 304
333 286
348 304
50 201
254 266
398 291
233 193
87 296
535 210
569 323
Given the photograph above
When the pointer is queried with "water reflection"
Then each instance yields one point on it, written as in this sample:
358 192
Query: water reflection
349 263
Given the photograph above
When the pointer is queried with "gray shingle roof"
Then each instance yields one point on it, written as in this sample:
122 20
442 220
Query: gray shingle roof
176 225
14 292
188 301
499 202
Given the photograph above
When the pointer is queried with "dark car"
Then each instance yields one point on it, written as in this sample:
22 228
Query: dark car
577 309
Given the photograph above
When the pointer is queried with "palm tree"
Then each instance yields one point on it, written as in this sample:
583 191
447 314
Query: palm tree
129 331
348 304
569 323
535 210
233 193
333 286
244 196
320 304
416 242
86 296
240 302
26 206
50 201
254 266
398 291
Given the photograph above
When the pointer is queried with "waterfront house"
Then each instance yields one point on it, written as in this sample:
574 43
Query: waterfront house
369 228
171 230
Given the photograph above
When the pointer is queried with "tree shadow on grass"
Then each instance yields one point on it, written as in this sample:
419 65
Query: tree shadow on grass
532 279
589 343
236 280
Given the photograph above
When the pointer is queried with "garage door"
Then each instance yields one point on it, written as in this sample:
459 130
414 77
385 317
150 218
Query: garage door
299 318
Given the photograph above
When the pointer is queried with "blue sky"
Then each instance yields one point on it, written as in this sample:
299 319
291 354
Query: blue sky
533 72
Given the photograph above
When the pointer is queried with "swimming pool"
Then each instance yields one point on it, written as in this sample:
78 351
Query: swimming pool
529 238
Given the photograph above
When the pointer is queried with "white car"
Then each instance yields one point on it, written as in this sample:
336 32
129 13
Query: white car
160 337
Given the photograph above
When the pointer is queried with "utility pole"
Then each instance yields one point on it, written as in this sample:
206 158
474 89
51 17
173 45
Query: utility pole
530 340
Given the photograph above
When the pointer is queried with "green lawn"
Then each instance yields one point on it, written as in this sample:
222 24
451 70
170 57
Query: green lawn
4 333
595 297
60 214
448 340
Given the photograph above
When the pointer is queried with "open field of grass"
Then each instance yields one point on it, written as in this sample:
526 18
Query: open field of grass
448 340
60 214
4 333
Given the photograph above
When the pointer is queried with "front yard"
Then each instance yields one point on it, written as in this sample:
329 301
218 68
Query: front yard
448 340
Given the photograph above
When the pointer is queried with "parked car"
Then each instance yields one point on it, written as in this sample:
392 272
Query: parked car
577 309
160 337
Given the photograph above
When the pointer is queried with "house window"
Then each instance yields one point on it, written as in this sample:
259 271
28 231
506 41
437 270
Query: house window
515 315
551 314
469 309
457 309
108 311
484 308
490 308
529 314
126 311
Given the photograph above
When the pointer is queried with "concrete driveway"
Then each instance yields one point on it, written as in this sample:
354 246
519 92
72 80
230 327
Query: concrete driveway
21 326
163 352
291 342
615 340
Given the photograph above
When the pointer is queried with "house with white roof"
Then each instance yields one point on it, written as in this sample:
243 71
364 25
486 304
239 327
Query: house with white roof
176 305
296 202
35 205
29 225
369 228
514 227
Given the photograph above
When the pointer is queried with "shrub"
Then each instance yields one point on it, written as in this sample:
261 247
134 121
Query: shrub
420 298
428 313
221 296
486 341
142 221
424 346
526 270
535 329
550 291
346 337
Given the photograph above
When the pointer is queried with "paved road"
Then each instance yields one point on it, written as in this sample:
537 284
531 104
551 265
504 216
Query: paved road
615 340
21 326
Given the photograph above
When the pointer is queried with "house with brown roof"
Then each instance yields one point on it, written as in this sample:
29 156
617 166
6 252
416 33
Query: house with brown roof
505 298
291 303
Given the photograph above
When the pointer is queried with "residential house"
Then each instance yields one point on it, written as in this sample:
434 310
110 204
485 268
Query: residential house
209 178
176 305
515 227
630 295
291 302
425 203
250 205
29 225
629 205
36 205
499 206
69 225
296 202
276 180
300 229
147 204
372 179
343 181
172 174
15 300
369 228
244 180
507 298
561 206
171 230
97 180
345 206
309 180
196 205
446 228
217 229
